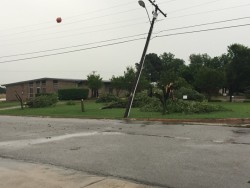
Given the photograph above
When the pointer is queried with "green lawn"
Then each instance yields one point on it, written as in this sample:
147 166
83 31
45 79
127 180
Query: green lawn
4 104
92 110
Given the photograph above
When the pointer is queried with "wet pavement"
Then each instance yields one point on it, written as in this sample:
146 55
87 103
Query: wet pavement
148 153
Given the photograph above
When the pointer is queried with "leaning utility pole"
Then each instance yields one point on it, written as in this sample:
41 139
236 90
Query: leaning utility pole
138 73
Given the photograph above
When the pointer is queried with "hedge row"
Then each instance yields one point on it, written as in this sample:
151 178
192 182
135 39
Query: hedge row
73 94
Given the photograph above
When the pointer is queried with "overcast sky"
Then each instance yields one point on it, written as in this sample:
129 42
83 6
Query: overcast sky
29 26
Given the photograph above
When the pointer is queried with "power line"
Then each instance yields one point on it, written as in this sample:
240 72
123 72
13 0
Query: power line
203 30
187 8
210 11
80 33
204 24
112 44
86 44
90 12
125 37
84 20
83 49
162 20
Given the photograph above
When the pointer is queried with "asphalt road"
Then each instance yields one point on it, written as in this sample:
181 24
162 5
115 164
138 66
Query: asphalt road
157 154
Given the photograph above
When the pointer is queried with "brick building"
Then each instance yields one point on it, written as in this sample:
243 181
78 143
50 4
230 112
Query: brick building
28 89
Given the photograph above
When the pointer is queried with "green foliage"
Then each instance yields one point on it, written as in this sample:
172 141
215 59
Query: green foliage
118 83
73 94
94 83
43 101
116 104
153 105
141 99
180 106
191 94
106 98
209 81
187 107
238 69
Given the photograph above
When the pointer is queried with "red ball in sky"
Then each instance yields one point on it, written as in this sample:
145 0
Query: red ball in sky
59 20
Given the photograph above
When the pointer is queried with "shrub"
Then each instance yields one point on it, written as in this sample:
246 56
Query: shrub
180 106
73 94
191 94
141 99
154 105
107 98
116 104
43 101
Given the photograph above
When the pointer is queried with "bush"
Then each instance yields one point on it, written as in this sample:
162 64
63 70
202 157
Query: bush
187 107
180 106
141 99
191 94
73 94
154 105
107 98
116 104
43 101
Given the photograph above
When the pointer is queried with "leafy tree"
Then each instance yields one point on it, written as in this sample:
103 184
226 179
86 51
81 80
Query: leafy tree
94 83
166 72
209 81
130 79
118 83
238 68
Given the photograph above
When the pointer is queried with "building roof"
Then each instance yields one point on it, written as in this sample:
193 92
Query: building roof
61 79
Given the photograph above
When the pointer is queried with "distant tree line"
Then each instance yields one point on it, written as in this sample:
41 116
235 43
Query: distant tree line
204 74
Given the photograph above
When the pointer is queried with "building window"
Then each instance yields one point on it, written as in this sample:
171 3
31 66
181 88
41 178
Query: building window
55 85
31 92
38 90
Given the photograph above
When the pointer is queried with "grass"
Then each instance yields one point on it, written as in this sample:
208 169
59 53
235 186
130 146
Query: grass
4 104
92 110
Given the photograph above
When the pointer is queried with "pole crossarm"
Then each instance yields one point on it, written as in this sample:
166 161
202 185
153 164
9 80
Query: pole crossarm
157 8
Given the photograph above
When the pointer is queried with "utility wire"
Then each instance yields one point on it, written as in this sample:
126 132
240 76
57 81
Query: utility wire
210 11
203 30
83 20
83 49
216 10
116 43
125 37
204 24
90 12
187 8
67 47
